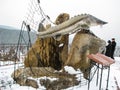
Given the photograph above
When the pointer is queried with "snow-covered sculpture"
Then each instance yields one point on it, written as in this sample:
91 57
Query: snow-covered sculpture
51 48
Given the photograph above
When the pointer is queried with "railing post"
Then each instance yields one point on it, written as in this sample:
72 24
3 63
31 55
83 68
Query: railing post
101 78
108 77
97 75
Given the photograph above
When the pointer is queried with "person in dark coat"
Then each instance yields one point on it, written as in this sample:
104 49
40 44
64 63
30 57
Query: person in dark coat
108 49
113 44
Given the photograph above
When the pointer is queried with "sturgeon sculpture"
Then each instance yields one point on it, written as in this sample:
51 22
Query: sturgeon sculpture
72 25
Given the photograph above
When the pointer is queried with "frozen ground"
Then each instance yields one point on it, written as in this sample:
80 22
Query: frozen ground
6 82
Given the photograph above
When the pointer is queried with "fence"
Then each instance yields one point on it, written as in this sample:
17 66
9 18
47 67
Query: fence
12 53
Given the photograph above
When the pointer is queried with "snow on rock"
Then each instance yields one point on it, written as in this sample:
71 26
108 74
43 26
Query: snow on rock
61 45
71 70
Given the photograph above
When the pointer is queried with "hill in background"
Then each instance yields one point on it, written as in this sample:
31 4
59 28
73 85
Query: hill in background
10 35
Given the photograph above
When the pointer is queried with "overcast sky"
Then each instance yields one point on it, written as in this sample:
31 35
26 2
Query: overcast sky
13 12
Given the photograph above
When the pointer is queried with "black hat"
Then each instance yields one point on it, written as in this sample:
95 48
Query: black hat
113 38
109 41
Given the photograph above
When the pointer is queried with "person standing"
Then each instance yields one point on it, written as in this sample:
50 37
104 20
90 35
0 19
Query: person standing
113 45
108 49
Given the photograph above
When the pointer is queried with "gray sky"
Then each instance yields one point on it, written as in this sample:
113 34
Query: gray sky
13 12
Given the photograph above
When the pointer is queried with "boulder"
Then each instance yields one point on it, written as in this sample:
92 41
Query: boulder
32 77
32 83
58 84
21 75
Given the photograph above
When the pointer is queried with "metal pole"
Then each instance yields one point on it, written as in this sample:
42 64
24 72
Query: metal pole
97 75
108 77
101 78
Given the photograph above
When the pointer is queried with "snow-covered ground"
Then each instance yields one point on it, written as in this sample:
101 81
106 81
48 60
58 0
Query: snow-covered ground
6 82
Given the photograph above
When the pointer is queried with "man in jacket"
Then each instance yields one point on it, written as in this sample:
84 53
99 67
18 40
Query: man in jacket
113 45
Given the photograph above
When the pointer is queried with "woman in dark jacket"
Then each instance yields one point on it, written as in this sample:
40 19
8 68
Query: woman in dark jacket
108 49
